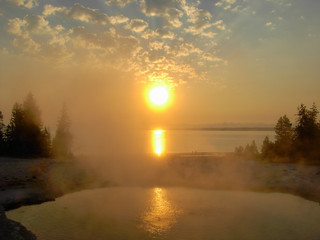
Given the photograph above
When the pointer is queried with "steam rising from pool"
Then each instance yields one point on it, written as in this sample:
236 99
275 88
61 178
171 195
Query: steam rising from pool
172 213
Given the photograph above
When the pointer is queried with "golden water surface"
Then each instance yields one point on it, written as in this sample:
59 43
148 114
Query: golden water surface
161 214
158 141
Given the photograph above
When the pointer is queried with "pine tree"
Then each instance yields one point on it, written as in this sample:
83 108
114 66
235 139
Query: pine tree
307 132
46 149
2 141
15 134
25 136
267 149
253 148
239 150
284 136
62 142
32 111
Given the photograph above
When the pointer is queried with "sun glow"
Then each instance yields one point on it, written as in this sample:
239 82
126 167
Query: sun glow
159 95
162 214
158 141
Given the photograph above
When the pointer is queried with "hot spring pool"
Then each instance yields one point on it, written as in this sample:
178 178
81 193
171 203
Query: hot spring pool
172 213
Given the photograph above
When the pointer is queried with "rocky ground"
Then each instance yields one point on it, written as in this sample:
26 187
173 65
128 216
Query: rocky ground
228 172
32 181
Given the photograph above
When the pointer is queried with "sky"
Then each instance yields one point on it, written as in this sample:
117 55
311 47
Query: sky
239 61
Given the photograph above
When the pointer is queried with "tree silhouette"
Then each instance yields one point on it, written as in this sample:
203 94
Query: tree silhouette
25 136
267 149
32 111
299 143
15 134
46 148
307 132
250 150
2 140
239 150
62 142
284 136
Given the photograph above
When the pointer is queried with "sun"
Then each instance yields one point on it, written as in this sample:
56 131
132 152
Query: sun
159 95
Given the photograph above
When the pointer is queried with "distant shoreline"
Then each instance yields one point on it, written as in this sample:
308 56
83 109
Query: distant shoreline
229 129
220 129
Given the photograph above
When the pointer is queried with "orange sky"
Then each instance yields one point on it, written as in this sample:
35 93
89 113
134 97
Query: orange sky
224 61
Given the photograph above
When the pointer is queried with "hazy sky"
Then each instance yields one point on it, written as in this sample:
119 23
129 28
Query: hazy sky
225 60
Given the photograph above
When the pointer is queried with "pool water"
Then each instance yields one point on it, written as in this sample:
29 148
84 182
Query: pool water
172 213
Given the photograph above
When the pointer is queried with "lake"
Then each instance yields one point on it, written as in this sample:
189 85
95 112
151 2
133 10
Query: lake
172 213
177 141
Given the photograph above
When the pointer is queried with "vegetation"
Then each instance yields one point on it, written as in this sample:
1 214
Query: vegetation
62 142
1 133
25 136
250 150
301 142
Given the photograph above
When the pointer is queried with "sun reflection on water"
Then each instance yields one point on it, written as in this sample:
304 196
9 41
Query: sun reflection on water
161 214
158 141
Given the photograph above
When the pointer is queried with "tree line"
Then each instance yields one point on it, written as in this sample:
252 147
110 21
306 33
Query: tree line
293 142
25 136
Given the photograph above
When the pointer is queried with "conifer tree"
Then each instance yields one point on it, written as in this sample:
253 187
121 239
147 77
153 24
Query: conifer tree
62 142
2 140
25 136
307 132
15 134
284 136
267 149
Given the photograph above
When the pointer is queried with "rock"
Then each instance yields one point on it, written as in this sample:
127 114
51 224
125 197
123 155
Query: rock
11 230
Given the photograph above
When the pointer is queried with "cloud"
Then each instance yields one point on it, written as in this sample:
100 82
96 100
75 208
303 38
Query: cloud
271 25
109 42
158 33
220 24
200 20
281 2
137 25
26 43
25 3
119 19
33 34
157 52
156 45
182 50
153 67
226 4
78 12
81 13
213 58
4 51
168 9
31 24
120 3
82 38
51 10
157 7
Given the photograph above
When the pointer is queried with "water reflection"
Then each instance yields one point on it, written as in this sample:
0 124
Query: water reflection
161 214
158 141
